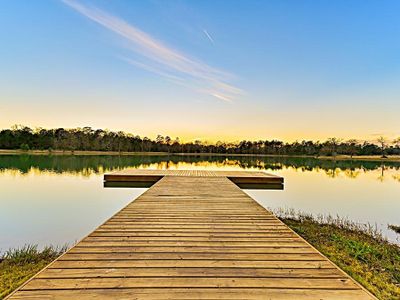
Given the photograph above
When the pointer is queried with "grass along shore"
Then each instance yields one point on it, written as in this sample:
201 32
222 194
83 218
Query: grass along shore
359 250
18 265
391 158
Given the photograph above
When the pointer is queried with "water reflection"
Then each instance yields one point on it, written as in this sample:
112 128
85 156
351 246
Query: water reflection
60 199
84 165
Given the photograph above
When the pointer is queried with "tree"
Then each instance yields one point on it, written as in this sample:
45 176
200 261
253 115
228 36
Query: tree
382 142
160 139
333 143
352 147
396 142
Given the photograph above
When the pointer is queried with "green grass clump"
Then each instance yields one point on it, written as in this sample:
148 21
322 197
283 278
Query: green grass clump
18 265
358 249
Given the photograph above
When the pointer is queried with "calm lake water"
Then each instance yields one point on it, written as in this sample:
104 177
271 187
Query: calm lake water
60 199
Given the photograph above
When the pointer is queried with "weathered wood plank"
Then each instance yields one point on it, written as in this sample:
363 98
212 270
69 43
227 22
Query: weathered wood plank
190 255
189 282
195 294
285 242
195 263
191 249
190 272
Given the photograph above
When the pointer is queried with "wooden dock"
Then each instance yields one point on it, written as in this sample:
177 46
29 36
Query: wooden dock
146 178
192 235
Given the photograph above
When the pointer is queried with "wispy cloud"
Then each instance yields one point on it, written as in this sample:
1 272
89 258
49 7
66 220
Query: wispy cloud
208 36
162 59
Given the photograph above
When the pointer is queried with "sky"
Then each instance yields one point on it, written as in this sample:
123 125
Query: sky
209 70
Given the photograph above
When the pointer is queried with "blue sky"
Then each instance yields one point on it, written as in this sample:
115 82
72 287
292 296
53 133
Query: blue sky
213 70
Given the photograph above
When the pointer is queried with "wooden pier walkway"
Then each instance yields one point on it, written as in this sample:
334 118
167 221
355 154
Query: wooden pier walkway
192 235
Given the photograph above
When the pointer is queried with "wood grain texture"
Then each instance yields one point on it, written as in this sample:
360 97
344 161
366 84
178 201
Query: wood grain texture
192 236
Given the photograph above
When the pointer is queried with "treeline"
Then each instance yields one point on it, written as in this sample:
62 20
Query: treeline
88 139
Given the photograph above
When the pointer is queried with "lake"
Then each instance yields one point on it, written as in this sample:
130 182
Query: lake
60 199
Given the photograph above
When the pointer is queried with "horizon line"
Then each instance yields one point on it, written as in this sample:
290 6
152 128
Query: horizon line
209 141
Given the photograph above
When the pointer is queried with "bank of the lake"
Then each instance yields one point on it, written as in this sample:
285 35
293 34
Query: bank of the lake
359 250
390 158
18 265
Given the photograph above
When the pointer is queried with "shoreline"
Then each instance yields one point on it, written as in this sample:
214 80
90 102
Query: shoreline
394 158
360 251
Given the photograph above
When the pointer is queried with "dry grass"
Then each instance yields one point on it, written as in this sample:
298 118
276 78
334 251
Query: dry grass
358 249
18 265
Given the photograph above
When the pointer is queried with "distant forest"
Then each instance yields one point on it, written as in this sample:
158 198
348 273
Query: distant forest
88 139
